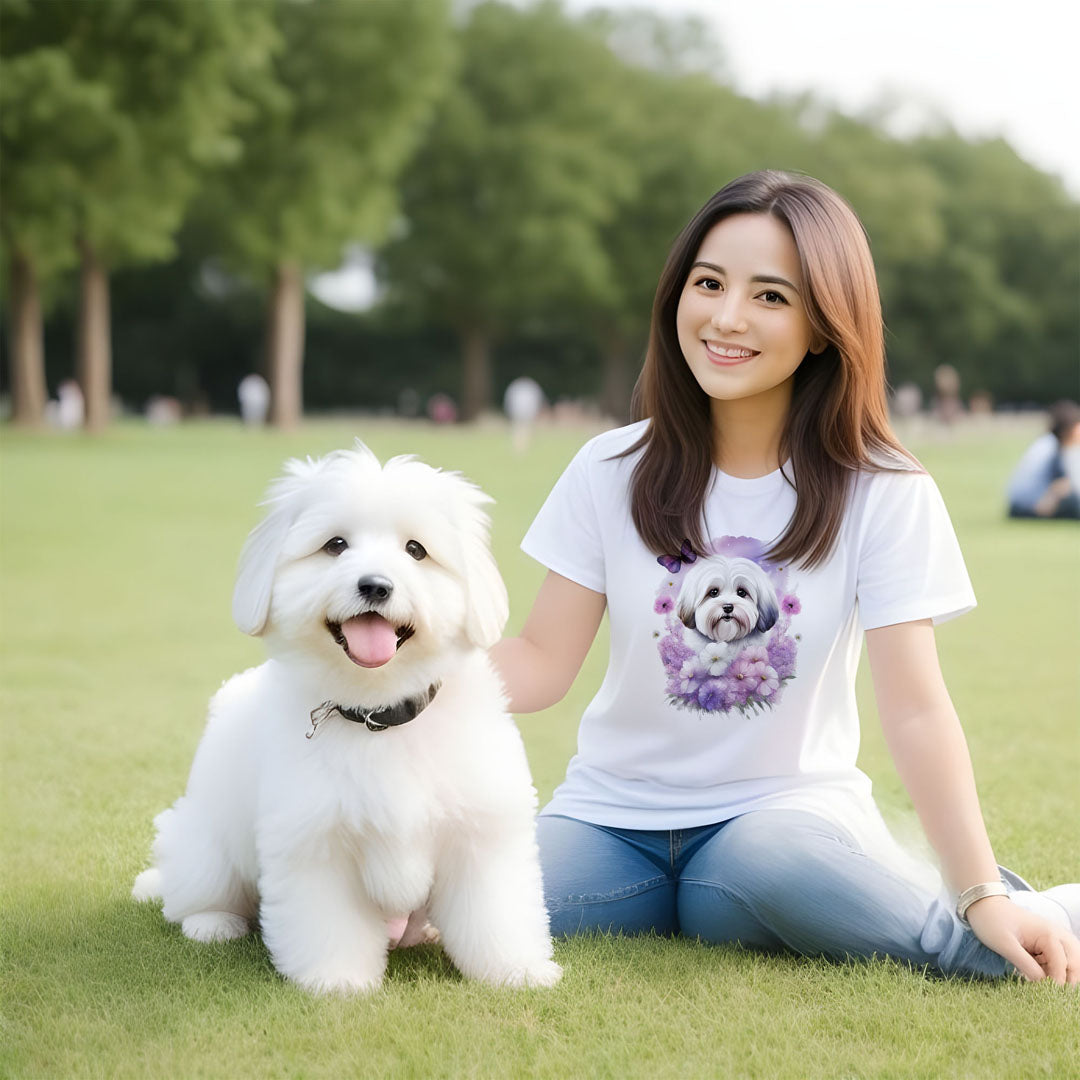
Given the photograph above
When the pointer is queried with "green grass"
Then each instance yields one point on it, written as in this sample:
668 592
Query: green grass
117 560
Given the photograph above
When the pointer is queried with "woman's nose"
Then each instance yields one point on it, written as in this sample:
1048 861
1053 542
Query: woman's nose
729 317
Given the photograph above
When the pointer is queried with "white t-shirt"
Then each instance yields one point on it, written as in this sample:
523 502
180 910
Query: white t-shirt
731 681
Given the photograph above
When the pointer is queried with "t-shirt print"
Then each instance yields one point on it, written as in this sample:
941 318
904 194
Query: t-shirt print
727 644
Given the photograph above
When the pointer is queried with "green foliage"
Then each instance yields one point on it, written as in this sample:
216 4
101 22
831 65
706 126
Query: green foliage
505 198
1000 303
354 84
112 111
529 170
689 138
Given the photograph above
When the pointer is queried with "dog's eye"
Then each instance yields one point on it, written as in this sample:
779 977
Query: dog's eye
741 592
416 550
335 547
713 592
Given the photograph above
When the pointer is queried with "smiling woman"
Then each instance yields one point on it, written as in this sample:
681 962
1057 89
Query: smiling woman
742 323
777 266
716 792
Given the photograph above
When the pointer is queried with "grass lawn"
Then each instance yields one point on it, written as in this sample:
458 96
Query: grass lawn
117 561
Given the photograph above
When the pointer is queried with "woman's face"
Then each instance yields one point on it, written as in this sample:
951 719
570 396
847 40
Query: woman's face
741 320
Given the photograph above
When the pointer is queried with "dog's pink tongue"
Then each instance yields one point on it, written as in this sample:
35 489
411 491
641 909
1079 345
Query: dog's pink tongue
370 638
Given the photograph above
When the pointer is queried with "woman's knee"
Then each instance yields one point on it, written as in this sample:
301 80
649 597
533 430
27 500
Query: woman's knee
768 852
595 882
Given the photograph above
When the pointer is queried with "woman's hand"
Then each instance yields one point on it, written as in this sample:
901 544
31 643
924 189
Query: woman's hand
1036 947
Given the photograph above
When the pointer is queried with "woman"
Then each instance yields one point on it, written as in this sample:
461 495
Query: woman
742 537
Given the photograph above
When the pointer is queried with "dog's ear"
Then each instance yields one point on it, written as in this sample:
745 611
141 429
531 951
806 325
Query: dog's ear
767 605
488 604
262 549
686 606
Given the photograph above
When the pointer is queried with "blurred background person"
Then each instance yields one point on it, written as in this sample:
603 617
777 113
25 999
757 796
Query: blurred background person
948 407
441 409
522 402
1046 482
68 412
254 395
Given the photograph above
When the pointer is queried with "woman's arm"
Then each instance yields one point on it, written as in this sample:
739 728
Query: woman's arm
539 665
931 755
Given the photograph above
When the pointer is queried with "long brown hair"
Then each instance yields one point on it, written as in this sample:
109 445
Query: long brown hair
839 420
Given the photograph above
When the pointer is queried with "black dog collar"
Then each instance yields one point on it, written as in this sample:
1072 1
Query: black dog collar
388 715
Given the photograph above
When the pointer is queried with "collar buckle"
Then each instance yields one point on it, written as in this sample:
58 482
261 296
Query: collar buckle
398 714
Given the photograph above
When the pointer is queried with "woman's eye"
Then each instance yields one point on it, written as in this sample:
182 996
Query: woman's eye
416 550
710 283
335 546
771 297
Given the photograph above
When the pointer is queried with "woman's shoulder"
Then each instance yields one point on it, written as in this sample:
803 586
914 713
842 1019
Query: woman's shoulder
890 486
613 444
887 469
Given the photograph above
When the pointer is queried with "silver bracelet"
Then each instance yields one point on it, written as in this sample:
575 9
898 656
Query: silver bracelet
978 892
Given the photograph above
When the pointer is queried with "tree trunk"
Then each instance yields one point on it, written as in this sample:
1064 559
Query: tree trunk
285 346
476 386
617 381
93 358
27 345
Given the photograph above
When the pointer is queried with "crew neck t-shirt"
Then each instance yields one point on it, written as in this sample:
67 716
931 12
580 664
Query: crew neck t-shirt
730 684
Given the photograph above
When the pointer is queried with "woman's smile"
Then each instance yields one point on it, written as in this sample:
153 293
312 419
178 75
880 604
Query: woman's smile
725 355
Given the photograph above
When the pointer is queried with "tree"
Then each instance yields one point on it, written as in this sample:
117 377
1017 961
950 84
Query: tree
1000 305
354 86
504 202
117 108
688 135
40 99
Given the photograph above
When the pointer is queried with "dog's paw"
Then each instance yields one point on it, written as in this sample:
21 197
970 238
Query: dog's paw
424 934
147 885
340 983
214 926
546 973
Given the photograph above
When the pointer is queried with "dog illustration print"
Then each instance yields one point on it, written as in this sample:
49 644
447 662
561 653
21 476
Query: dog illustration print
727 612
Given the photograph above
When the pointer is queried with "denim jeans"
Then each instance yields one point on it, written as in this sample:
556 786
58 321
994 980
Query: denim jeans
771 879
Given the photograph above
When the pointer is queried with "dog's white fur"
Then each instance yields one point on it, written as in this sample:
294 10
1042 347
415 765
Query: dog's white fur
730 602
325 839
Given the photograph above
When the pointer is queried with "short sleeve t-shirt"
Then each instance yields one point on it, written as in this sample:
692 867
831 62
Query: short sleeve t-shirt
731 679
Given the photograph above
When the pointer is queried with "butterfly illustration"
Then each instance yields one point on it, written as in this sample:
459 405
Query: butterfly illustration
673 563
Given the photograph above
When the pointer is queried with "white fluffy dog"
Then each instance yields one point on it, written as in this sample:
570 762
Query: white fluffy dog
369 768
729 601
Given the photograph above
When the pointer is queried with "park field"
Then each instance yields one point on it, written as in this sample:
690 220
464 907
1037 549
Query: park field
117 555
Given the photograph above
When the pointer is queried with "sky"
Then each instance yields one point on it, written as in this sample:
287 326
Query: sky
990 67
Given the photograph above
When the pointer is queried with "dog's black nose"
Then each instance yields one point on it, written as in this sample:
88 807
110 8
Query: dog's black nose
375 588
728 608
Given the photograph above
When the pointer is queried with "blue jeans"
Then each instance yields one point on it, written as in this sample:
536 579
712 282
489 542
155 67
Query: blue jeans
771 879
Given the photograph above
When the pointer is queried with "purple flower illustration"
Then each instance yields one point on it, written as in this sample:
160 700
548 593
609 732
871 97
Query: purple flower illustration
674 652
737 692
663 605
781 652
745 669
791 605
770 681
755 654
713 694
